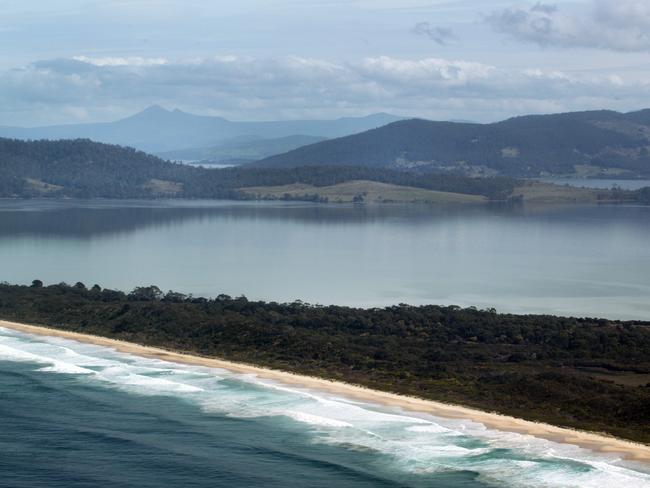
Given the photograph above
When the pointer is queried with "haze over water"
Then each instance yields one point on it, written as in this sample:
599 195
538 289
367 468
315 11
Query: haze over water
586 261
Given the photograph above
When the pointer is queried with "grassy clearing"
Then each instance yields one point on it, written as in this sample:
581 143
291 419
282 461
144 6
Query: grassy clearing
539 192
42 187
360 191
163 187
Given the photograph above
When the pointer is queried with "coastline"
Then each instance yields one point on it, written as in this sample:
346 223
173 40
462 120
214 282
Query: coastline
593 441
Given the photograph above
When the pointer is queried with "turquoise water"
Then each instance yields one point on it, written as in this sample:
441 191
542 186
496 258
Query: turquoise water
78 415
588 261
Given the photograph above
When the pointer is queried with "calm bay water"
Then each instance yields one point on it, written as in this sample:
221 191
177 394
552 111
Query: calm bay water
588 261
76 415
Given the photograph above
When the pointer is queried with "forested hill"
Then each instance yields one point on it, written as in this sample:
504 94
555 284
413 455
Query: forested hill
597 143
82 168
85 169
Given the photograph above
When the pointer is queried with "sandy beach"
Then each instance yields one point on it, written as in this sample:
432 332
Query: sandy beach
593 441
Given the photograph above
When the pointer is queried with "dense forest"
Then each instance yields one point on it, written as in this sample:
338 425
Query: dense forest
586 373
598 143
84 169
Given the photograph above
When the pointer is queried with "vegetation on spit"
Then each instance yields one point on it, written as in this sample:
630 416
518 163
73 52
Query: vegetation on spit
591 374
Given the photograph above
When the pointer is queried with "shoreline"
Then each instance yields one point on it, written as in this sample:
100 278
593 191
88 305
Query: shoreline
602 443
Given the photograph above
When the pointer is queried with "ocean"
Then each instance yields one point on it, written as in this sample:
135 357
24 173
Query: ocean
79 415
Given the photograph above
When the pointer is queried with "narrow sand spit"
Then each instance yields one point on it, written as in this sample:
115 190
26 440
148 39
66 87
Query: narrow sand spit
596 442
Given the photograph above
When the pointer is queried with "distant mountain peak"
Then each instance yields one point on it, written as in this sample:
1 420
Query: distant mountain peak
152 111
155 108
159 129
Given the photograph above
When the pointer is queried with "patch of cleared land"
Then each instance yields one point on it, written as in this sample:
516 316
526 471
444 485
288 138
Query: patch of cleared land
163 187
587 171
539 192
359 191
42 187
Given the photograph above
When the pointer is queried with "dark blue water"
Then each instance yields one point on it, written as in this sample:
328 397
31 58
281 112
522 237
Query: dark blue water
59 432
76 415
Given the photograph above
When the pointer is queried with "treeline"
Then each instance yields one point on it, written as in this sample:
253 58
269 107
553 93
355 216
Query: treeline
575 372
643 195
85 169
494 188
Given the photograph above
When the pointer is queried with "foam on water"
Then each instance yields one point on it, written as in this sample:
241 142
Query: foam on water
416 443
432 429
308 418
11 354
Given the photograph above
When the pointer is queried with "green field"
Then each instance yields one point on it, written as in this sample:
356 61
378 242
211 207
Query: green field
359 191
540 192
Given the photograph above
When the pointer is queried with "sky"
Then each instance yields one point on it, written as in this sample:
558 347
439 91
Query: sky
74 61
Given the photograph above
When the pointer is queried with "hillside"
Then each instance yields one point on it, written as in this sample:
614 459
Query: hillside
157 129
81 168
597 143
84 169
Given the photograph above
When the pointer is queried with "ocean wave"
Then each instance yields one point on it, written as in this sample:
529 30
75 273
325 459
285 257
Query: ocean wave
410 442
308 418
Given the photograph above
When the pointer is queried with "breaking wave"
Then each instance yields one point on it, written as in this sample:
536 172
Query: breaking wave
416 443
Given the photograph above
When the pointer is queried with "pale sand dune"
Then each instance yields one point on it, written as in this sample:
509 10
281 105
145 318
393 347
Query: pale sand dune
588 440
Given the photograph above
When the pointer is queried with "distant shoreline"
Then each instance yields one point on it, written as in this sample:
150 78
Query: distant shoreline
593 441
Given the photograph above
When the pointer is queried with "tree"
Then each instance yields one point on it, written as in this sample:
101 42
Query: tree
174 297
146 294
37 284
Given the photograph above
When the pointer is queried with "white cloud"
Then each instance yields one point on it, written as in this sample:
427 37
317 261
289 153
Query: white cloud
618 25
428 71
121 61
296 87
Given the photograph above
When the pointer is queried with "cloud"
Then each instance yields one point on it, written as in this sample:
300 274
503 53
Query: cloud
297 87
618 25
118 61
440 35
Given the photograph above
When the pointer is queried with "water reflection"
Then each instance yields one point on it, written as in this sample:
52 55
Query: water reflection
572 260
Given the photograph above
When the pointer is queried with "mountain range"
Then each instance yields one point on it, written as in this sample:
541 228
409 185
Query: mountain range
593 143
590 144
158 130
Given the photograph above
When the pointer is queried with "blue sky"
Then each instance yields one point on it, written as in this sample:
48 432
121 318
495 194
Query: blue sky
66 61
